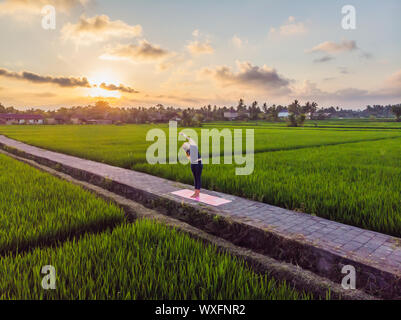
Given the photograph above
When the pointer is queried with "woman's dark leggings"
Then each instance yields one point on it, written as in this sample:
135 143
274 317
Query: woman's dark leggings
197 172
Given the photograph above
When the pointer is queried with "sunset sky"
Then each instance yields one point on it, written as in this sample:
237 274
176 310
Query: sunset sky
192 53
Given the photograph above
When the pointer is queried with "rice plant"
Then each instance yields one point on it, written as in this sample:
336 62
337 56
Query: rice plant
346 170
145 260
357 184
39 209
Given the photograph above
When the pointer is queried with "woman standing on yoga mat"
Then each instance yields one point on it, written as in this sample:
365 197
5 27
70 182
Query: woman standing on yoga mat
192 152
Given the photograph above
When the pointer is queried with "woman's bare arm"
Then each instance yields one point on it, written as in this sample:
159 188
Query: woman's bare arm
189 139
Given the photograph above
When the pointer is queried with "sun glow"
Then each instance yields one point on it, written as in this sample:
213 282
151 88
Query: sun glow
104 76
97 92
98 78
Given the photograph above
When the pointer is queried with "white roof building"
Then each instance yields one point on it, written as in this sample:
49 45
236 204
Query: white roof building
231 115
283 114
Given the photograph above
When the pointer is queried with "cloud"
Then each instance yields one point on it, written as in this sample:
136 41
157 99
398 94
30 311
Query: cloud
173 60
65 82
45 95
290 28
388 92
35 78
343 70
393 82
122 88
237 41
249 76
396 77
306 89
332 47
10 7
323 59
97 29
196 47
144 51
178 98
366 55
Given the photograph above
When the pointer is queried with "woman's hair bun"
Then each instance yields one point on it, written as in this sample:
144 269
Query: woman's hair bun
186 146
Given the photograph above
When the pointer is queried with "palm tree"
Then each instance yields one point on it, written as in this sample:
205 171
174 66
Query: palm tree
396 109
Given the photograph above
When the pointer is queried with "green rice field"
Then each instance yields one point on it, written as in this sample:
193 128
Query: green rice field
344 170
97 254
141 261
39 209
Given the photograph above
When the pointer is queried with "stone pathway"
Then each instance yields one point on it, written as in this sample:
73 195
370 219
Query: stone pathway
379 253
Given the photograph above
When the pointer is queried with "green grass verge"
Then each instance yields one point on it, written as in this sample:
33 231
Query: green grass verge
145 260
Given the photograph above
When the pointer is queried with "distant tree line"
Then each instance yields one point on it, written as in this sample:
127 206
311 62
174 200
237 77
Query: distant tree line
397 111
297 113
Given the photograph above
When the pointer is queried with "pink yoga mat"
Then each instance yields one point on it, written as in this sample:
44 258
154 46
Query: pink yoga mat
205 198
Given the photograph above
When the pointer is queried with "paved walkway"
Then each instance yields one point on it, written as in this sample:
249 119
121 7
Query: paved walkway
373 249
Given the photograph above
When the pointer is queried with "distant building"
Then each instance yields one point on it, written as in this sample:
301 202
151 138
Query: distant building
311 115
156 117
99 121
231 115
56 120
77 121
13 118
283 114
51 121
